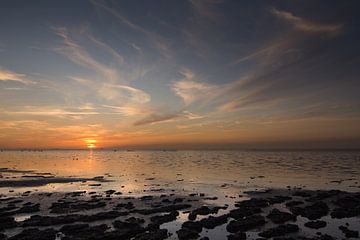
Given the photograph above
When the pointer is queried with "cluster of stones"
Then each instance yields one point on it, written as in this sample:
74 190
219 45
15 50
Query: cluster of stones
142 223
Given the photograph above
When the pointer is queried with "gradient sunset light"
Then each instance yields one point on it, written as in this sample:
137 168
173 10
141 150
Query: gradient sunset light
216 74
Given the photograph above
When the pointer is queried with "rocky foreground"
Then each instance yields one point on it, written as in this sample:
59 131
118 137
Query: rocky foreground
272 214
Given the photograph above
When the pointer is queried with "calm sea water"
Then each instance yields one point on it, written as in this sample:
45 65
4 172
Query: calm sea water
203 170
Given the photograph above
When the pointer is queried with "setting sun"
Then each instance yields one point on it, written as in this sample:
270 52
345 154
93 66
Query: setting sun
90 143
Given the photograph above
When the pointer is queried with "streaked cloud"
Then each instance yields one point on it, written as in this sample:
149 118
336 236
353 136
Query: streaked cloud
156 117
206 8
124 72
129 110
20 124
81 80
79 55
113 92
7 75
156 40
51 112
189 89
306 25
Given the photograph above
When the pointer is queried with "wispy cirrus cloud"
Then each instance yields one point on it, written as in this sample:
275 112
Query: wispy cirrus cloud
206 9
129 110
112 87
116 56
156 41
189 89
77 54
156 117
81 80
118 92
306 25
51 112
7 75
30 124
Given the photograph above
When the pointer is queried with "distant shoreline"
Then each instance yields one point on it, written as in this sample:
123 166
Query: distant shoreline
173 150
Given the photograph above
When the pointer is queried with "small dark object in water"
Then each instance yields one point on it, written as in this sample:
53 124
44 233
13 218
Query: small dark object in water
237 236
278 216
245 224
212 222
315 224
185 234
160 219
349 233
195 226
279 231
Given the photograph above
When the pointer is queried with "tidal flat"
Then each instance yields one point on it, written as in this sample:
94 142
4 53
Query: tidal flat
144 195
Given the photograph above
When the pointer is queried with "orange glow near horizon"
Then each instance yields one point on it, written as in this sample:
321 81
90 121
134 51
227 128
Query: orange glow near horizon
90 143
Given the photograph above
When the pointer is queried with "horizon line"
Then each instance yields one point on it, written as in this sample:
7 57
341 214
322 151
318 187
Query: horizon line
178 149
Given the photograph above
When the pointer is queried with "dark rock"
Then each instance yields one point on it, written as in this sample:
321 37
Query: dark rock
34 233
78 232
135 220
146 198
164 218
312 212
127 229
212 222
69 229
7 222
204 210
349 206
29 208
184 234
294 203
4 211
321 195
344 213
348 202
349 233
245 224
211 198
159 234
37 220
279 231
278 216
195 226
76 206
152 227
315 224
278 199
237 236
170 208
76 194
110 192
301 194
128 206
287 238
254 202
244 212
178 200
326 237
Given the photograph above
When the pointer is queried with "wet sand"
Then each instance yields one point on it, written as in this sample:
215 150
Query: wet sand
161 212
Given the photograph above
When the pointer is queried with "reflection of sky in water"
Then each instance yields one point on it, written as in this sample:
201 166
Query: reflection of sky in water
224 174
194 169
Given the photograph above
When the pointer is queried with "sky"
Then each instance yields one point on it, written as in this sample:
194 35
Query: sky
191 74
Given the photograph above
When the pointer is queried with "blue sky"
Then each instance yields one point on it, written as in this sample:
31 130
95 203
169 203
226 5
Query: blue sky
179 73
